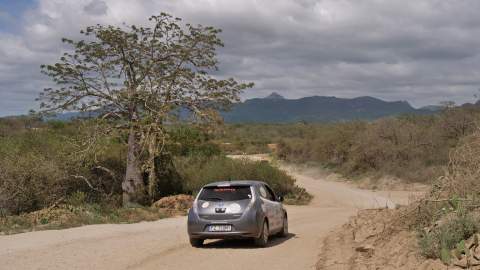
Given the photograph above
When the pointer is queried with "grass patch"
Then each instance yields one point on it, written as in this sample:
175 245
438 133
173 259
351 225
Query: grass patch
68 216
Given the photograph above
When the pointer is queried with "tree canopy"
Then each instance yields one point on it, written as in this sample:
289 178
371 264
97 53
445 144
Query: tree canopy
138 79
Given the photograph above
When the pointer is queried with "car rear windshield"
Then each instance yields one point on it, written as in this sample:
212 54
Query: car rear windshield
230 193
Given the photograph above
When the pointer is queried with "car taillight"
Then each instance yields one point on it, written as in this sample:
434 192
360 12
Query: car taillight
252 200
195 206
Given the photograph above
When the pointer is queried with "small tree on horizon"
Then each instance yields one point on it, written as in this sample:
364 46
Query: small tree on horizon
139 79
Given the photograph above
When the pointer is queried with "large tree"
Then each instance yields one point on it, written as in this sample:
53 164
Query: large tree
140 79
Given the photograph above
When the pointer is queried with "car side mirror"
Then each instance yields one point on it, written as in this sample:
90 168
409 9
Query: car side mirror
280 198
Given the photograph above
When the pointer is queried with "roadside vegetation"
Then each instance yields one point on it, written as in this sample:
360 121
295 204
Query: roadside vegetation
151 105
414 148
441 150
47 180
448 219
440 229
198 171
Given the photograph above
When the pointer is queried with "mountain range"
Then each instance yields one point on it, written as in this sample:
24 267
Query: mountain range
276 109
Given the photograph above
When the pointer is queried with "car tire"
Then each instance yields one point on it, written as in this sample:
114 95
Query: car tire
262 239
284 231
196 242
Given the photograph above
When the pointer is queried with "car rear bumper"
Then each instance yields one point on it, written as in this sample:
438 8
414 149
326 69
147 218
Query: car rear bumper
223 235
247 226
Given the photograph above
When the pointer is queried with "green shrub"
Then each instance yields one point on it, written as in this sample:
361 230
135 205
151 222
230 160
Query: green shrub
450 234
187 141
197 171
77 198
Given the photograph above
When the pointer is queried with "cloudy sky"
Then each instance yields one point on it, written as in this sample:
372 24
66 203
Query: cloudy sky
422 51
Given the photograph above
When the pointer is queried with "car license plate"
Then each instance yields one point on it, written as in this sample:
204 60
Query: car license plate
220 228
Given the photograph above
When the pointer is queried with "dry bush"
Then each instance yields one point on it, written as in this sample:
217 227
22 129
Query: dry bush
415 148
66 216
457 123
180 202
446 223
464 168
40 167
449 214
30 182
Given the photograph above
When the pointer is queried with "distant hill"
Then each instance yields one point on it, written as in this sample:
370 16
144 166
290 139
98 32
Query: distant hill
274 95
276 109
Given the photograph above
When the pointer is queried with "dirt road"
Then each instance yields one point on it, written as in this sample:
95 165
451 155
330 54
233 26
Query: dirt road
164 244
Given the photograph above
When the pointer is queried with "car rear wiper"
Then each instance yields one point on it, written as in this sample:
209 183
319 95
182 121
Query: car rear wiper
213 199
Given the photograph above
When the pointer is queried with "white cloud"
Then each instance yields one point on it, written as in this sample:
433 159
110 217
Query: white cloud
420 51
96 7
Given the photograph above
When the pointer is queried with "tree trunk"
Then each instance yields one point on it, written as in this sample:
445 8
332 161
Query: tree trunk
133 186
152 176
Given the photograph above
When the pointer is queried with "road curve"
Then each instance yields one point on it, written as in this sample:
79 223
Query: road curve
164 244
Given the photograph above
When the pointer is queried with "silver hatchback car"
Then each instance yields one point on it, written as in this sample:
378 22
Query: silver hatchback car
236 209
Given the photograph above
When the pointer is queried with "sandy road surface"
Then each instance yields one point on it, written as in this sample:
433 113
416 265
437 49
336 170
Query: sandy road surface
164 244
